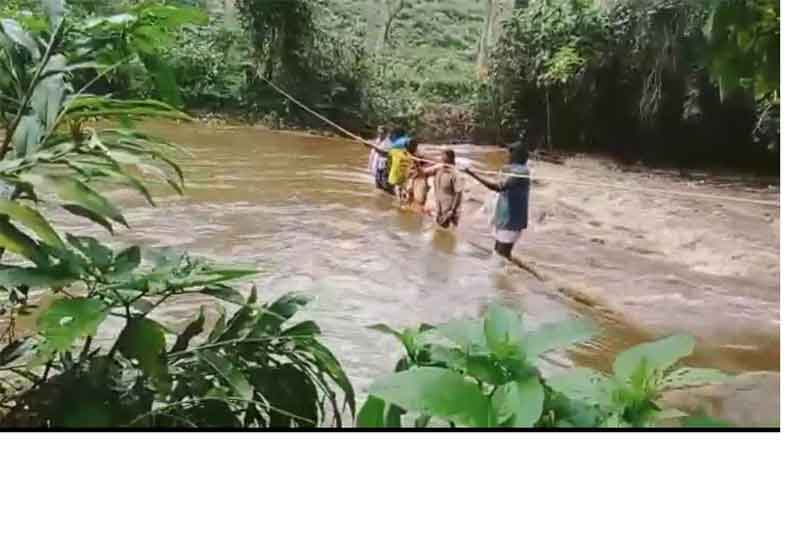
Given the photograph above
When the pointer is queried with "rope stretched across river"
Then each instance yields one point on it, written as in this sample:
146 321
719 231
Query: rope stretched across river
659 191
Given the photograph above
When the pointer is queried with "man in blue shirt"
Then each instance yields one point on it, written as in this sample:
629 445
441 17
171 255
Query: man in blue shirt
511 217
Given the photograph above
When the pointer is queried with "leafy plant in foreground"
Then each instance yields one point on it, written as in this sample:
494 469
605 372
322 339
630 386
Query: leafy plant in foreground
484 373
253 369
96 355
629 397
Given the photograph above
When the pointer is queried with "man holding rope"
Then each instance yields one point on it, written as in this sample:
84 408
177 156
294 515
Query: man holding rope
511 216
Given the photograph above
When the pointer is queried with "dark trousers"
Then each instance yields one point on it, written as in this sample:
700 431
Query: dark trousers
382 181
504 249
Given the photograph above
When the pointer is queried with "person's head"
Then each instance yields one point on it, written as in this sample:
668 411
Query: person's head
397 133
381 132
412 145
519 153
449 157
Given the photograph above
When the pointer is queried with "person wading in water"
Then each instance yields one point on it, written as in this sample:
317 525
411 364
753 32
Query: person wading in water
447 191
511 216
377 163
400 160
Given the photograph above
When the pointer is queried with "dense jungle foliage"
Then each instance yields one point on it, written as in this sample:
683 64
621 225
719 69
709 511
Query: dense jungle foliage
81 340
685 81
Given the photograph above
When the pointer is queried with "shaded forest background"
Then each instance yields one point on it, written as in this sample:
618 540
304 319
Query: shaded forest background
688 82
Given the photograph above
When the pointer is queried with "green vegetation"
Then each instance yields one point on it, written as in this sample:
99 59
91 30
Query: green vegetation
97 356
638 78
674 80
82 345
484 373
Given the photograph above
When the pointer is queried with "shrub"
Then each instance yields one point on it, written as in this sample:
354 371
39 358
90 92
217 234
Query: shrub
484 373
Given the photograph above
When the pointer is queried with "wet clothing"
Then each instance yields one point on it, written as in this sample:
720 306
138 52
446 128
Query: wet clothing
447 186
511 216
512 208
399 166
382 181
507 237
504 249
420 188
376 161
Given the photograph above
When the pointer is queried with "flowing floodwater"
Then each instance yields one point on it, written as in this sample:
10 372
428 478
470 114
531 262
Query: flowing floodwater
303 210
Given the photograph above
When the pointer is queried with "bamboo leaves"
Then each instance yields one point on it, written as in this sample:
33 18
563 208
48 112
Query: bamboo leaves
77 193
31 219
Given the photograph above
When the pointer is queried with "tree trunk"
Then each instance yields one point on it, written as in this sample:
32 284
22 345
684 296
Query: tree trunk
485 35
391 8
230 14
374 17
549 141
495 14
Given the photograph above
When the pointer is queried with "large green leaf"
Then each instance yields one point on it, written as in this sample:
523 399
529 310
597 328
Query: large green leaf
291 394
585 385
74 191
557 335
97 254
371 414
67 320
225 368
49 93
20 36
224 293
193 330
242 321
302 330
484 368
654 357
288 305
520 403
27 135
83 107
31 219
502 326
17 242
126 261
436 392
54 10
326 362
144 340
90 215
466 333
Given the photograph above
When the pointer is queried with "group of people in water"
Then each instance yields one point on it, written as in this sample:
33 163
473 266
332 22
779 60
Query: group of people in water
436 187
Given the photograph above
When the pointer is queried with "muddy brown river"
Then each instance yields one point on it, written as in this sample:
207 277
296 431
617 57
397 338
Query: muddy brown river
304 211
